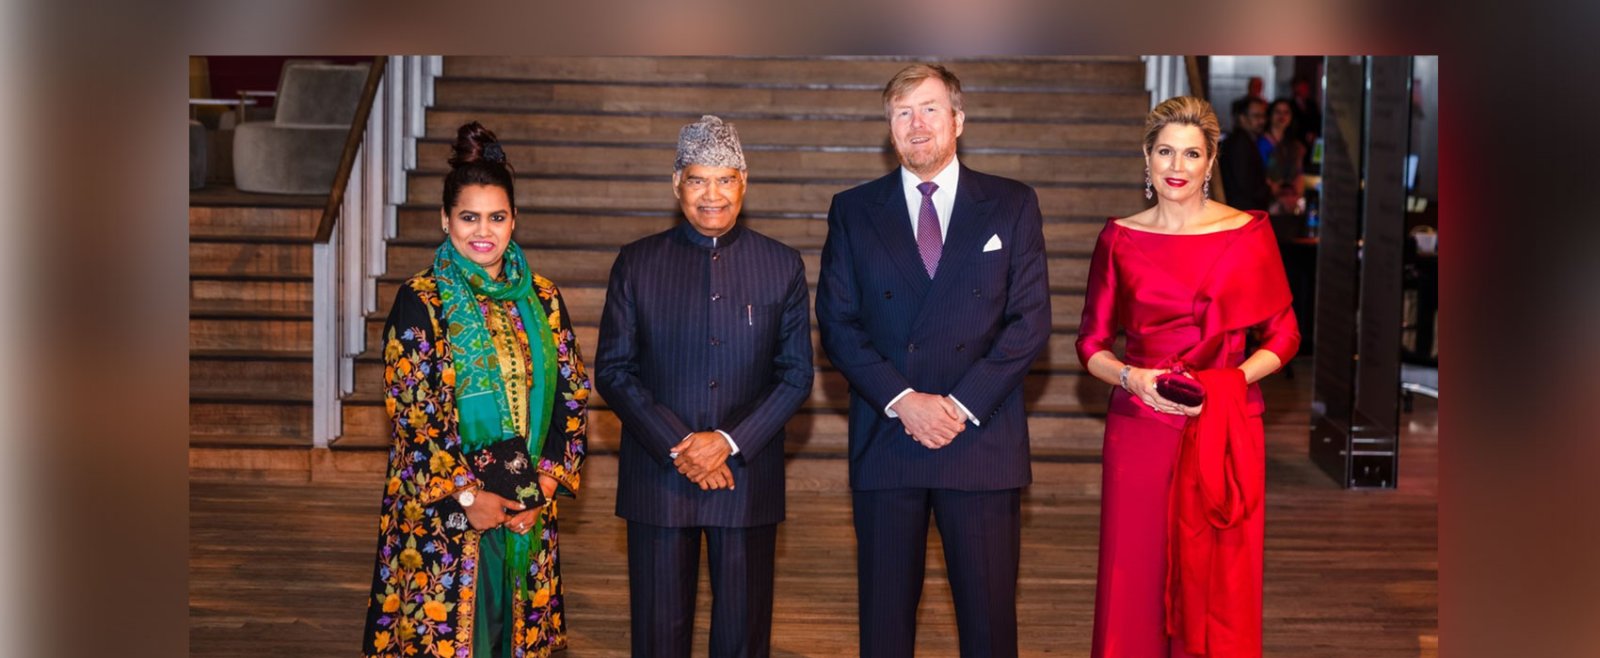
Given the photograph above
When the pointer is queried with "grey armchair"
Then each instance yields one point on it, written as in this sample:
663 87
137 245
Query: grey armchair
298 151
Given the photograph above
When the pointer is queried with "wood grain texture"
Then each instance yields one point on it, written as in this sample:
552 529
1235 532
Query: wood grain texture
280 565
654 158
1031 72
593 140
1122 133
538 95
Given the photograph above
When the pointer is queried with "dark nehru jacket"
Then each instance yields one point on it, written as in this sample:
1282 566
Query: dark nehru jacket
704 334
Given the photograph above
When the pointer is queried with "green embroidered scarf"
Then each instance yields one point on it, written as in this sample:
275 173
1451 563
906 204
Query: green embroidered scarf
481 406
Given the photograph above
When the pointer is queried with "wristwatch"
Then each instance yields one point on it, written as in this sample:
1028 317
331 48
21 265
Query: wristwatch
466 498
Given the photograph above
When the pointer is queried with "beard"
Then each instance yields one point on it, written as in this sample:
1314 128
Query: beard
924 160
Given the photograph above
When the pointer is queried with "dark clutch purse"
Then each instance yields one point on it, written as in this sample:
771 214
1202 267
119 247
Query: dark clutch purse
1180 389
506 470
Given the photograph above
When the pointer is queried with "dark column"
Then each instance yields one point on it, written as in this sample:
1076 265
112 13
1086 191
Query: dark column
1356 379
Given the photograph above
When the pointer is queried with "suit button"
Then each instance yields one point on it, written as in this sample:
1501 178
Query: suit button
715 342
911 348
961 347
976 293
713 384
716 296
888 294
715 255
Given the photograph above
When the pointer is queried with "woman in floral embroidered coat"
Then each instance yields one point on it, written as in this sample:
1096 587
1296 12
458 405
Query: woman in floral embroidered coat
481 372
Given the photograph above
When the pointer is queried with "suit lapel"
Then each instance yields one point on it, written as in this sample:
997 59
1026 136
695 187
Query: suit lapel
969 224
969 219
893 226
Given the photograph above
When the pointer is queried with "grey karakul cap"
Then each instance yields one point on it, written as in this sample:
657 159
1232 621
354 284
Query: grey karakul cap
709 142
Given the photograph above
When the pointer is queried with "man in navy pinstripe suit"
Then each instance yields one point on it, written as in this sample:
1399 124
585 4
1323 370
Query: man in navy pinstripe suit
933 301
704 354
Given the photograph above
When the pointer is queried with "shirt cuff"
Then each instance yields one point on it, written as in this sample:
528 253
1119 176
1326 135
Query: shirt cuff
725 435
965 410
731 444
888 409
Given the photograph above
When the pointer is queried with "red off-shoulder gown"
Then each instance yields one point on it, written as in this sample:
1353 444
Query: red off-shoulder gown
1156 290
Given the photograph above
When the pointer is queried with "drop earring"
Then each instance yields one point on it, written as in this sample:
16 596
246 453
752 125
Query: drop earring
1205 191
1147 191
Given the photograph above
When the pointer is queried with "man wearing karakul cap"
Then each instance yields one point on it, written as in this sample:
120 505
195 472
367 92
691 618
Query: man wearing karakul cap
704 354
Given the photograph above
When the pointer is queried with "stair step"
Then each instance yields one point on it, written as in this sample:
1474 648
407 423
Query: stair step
576 265
1072 391
243 378
585 303
366 427
1121 134
246 223
1064 72
251 355
565 228
249 261
593 266
224 296
249 335
763 197
472 93
241 440
228 195
235 312
243 424
419 225
1060 353
655 158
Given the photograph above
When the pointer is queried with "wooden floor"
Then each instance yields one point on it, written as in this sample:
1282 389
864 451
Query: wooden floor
282 568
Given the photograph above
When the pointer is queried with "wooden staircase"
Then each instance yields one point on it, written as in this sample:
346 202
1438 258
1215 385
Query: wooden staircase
592 140
250 318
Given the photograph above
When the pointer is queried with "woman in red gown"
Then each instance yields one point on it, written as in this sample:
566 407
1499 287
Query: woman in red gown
1184 282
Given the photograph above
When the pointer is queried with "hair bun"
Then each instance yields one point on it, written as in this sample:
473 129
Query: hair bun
493 153
475 143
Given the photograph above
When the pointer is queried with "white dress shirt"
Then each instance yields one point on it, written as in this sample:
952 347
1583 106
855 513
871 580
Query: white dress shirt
944 202
944 198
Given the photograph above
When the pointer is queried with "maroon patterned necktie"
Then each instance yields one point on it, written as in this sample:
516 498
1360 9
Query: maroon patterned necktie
929 242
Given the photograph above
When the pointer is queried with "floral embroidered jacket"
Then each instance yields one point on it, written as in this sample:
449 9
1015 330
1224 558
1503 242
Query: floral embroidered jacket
424 582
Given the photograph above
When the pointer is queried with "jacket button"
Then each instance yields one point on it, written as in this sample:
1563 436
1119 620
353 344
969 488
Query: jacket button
911 348
713 384
716 296
976 293
961 347
715 255
715 342
888 294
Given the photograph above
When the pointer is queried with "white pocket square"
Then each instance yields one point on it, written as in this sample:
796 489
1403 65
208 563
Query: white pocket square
993 244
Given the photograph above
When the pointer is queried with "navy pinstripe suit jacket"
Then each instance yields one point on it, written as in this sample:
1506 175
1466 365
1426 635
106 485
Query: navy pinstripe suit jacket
972 331
699 336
